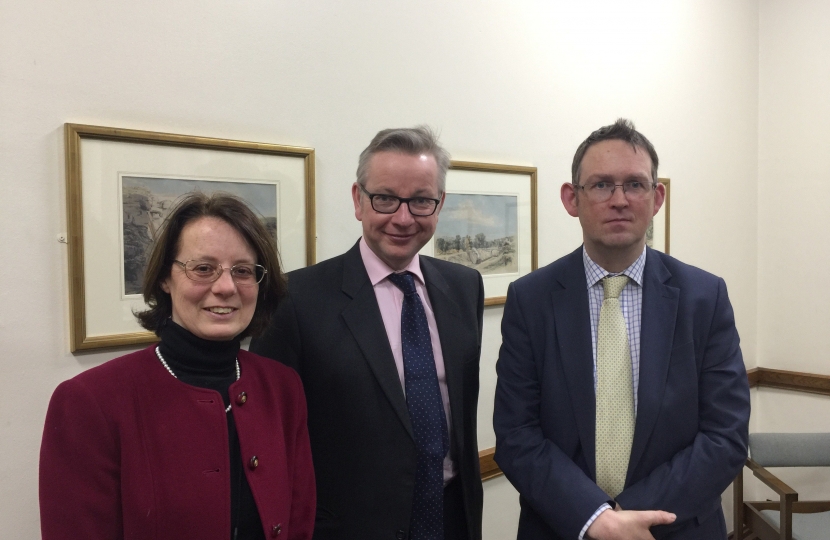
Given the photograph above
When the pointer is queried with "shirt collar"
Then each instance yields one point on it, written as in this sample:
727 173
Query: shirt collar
594 272
379 270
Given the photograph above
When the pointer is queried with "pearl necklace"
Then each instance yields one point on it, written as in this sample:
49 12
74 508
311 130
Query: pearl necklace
170 371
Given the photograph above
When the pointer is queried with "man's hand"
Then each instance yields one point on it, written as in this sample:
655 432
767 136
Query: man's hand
627 524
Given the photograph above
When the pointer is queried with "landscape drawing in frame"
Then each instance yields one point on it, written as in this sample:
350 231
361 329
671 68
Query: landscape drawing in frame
488 222
147 201
657 234
122 183
479 231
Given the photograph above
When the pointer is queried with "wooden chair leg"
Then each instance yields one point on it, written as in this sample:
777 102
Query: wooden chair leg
787 515
738 506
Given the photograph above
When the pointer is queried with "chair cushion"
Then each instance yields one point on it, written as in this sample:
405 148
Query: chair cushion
805 526
790 449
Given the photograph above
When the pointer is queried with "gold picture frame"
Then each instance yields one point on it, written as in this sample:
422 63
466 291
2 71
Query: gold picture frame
489 222
101 161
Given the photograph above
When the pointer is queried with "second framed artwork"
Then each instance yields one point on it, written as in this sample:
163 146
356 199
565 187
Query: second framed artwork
122 184
488 222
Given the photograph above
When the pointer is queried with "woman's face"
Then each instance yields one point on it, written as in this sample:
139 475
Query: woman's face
220 310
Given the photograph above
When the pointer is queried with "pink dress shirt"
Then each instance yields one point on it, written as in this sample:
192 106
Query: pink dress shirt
390 302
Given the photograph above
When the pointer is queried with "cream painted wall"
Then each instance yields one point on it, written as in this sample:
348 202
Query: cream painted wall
793 180
519 82
793 247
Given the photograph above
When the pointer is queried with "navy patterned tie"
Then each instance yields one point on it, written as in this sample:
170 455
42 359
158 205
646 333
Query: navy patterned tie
426 413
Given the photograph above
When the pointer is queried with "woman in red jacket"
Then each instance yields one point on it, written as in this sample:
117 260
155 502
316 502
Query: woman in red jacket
194 437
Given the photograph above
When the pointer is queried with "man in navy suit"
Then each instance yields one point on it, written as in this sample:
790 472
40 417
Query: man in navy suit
682 390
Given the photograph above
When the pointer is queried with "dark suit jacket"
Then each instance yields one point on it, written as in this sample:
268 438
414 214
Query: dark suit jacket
330 329
691 428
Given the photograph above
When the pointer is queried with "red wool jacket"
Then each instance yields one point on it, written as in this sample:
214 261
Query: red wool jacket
130 452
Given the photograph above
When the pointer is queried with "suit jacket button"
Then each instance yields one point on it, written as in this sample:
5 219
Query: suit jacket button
241 399
253 463
276 530
400 535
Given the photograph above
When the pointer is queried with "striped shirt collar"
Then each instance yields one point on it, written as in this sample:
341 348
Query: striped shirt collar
594 272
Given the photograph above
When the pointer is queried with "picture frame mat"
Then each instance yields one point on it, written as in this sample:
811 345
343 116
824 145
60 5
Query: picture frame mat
104 160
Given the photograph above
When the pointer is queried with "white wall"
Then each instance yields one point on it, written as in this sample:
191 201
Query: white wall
793 244
519 82
793 182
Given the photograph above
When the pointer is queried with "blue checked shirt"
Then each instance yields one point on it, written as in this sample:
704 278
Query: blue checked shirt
631 303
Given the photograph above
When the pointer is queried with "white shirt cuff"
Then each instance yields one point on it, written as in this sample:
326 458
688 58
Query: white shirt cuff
601 509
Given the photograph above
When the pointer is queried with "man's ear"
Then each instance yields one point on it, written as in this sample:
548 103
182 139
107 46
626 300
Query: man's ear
358 210
441 204
659 197
568 194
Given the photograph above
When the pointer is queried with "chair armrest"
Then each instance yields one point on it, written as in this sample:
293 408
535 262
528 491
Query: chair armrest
787 497
782 489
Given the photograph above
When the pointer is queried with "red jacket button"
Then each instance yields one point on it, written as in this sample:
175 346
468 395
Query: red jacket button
253 463
276 530
241 399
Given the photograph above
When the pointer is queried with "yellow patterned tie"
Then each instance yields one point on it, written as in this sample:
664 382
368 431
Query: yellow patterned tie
615 394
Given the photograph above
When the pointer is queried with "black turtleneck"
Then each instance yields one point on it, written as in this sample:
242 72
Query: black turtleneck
212 364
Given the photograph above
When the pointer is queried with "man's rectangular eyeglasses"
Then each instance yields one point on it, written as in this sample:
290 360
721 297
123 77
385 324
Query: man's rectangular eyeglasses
389 204
244 274
634 190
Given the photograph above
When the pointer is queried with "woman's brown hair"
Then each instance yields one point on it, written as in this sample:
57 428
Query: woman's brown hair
236 213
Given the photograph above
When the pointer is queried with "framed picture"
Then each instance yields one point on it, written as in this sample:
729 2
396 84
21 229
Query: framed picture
657 235
121 184
488 222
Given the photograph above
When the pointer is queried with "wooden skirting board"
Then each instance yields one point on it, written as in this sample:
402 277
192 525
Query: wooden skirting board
758 377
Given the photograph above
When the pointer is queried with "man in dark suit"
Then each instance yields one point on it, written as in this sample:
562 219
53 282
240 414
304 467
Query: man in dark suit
387 344
622 402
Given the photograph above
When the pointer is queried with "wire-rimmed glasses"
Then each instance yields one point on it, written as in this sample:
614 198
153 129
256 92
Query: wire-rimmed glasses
601 191
389 204
244 274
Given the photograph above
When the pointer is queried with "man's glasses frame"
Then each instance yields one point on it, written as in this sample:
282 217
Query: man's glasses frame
394 202
243 274
603 190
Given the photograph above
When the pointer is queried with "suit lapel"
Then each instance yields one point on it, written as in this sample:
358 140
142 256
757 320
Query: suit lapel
447 319
363 318
573 331
659 315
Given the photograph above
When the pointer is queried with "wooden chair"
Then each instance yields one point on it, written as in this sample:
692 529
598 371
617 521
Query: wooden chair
788 518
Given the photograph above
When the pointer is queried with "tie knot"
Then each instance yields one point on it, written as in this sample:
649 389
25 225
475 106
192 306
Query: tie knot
613 285
404 281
